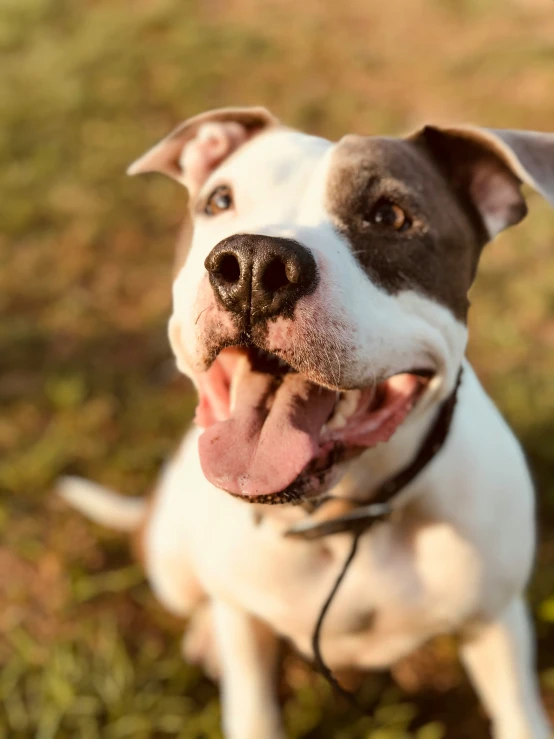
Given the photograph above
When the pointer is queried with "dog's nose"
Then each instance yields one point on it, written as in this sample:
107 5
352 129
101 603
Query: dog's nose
260 276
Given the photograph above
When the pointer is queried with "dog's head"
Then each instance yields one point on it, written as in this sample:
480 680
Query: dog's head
324 294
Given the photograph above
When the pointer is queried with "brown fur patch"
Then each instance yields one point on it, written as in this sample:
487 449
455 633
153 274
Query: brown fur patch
438 254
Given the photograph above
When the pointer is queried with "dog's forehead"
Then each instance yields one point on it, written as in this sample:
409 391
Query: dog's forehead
278 182
278 157
355 158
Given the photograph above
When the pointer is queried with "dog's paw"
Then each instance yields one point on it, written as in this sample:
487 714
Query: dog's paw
199 644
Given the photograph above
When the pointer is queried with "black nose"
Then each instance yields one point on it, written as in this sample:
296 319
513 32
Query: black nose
260 276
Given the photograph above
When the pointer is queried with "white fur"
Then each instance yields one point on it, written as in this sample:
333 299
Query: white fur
455 558
457 552
102 505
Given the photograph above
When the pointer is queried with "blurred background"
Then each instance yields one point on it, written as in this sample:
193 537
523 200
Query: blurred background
88 385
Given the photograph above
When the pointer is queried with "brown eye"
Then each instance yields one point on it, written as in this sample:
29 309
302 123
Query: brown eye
389 215
220 200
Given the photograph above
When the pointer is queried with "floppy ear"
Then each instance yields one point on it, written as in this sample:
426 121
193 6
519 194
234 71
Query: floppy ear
196 147
486 168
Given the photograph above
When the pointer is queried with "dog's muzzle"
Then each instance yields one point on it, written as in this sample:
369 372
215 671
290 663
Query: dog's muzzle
259 277
272 433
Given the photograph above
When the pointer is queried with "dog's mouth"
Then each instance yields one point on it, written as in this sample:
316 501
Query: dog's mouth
274 436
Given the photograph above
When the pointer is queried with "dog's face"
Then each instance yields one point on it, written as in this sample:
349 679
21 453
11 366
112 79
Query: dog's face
323 299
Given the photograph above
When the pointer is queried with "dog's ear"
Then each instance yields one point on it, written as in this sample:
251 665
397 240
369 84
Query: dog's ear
486 168
196 147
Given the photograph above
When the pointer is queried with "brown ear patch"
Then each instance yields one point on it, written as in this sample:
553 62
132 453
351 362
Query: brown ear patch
437 256
487 166
461 186
481 179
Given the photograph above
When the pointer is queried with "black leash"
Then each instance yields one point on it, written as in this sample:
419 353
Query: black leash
316 637
363 517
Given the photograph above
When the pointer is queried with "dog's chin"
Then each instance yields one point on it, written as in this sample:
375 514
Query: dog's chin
271 435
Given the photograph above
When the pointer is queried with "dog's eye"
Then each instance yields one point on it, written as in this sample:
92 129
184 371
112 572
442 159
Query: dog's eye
390 215
221 199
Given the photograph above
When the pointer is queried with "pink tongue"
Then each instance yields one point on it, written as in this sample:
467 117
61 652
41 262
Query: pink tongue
271 436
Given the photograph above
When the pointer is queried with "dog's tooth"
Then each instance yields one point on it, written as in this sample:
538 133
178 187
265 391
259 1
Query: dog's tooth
346 406
337 422
242 366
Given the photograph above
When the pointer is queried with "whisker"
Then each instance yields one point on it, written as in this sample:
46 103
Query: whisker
198 316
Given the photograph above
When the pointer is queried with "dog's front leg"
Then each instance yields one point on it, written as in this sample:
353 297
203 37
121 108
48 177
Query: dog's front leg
500 661
248 653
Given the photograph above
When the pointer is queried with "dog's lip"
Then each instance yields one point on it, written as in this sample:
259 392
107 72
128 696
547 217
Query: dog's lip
277 365
232 450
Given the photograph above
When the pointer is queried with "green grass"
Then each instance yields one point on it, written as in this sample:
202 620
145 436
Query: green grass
87 380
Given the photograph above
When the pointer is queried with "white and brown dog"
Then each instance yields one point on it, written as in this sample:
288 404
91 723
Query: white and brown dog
320 309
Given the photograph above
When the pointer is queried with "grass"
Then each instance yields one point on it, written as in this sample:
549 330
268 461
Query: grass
88 384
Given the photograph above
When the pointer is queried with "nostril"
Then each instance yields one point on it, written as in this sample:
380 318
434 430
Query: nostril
274 276
228 268
256 276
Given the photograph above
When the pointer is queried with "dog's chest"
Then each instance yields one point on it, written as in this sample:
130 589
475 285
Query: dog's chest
412 577
405 584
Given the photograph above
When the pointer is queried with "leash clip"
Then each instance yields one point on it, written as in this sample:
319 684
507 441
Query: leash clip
355 521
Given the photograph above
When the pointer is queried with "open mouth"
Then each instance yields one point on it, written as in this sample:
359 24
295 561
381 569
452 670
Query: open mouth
274 436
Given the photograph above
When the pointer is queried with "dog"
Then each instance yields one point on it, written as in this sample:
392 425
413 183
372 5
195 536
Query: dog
319 307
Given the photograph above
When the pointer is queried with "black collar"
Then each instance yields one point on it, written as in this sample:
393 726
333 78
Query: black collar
379 505
366 515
